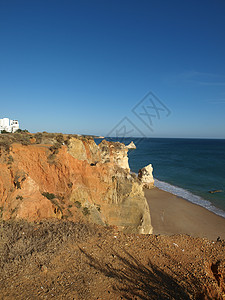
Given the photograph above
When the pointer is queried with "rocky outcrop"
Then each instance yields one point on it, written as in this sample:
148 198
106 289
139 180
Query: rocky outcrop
146 177
131 146
115 153
215 191
77 181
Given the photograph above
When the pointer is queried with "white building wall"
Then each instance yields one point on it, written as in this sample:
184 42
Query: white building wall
9 125
5 122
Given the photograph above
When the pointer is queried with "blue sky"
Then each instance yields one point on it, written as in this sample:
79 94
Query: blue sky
82 66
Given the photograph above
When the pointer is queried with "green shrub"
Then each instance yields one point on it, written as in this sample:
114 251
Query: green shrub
98 207
22 131
77 204
67 142
70 184
25 142
10 160
14 210
17 184
4 131
60 139
1 211
56 146
86 211
54 150
51 158
38 137
48 195
5 144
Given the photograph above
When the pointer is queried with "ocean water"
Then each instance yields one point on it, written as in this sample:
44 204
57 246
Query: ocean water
188 168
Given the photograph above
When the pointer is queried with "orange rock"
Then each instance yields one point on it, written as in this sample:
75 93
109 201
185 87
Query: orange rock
81 181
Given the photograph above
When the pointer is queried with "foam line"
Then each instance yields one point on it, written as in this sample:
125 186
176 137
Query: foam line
177 191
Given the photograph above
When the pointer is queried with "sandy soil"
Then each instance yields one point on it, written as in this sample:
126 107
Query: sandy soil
173 215
65 260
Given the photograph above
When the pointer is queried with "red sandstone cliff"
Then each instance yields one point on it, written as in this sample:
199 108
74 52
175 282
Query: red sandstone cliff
78 180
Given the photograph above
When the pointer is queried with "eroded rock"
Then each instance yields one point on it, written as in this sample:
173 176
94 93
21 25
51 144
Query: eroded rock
82 181
131 146
146 177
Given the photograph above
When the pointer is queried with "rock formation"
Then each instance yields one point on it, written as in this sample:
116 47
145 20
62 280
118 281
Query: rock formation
215 191
146 177
75 179
131 145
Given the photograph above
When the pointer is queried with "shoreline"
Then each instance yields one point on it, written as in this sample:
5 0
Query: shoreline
171 215
188 196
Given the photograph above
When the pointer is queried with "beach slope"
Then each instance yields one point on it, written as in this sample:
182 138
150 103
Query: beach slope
173 215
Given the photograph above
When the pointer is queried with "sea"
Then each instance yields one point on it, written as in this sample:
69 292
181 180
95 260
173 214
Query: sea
188 168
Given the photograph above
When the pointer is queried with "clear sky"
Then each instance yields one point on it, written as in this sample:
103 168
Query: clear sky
82 66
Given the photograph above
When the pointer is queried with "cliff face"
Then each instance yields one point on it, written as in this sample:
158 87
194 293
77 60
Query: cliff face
77 181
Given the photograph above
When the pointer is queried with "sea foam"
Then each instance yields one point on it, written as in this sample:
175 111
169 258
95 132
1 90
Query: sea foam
177 191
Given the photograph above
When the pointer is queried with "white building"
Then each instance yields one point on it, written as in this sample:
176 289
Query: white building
9 125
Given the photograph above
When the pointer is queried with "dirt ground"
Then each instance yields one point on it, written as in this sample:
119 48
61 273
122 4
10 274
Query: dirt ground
66 260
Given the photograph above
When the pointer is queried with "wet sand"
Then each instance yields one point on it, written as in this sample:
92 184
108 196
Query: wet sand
173 215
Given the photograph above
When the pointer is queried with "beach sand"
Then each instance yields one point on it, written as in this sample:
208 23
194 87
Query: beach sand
173 215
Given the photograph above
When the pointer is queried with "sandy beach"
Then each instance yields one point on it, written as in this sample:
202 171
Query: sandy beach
173 215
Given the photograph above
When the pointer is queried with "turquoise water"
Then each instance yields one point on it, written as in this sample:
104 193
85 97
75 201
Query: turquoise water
189 168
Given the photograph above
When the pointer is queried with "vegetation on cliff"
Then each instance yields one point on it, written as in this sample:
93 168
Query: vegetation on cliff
46 175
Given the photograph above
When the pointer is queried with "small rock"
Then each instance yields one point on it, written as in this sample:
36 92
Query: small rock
215 191
146 177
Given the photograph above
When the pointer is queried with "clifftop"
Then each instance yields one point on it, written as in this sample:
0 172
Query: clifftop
67 260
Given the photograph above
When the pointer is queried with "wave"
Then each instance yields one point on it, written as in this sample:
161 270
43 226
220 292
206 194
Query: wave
177 191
